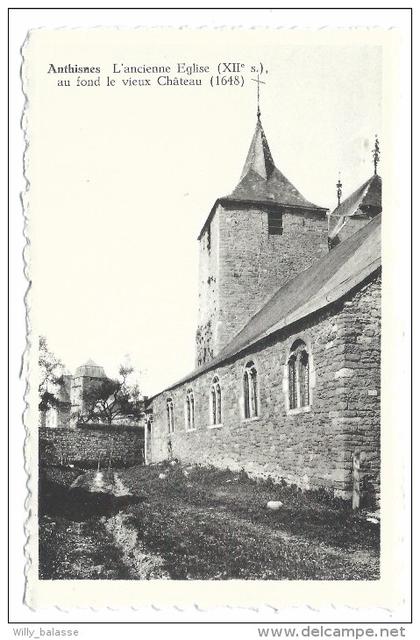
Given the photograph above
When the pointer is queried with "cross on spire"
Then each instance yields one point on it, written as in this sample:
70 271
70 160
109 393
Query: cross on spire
376 154
258 81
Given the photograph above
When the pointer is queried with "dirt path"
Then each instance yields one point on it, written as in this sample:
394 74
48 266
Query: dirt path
78 551
84 534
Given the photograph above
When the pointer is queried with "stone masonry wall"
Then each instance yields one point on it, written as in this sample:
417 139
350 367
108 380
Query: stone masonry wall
359 382
246 265
86 445
311 448
208 282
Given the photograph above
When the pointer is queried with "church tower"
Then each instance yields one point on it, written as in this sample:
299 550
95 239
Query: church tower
253 241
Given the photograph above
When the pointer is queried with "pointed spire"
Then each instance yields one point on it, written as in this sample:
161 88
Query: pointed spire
376 154
339 189
261 181
259 158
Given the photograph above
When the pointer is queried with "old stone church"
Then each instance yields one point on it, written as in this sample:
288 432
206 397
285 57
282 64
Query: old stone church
287 377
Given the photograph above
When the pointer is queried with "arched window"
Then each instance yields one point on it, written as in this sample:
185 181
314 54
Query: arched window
216 402
189 411
170 415
250 391
298 373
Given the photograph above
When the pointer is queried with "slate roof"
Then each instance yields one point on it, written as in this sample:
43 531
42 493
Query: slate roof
90 369
369 195
328 280
261 182
259 158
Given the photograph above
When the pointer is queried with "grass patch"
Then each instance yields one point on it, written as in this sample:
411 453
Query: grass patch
208 523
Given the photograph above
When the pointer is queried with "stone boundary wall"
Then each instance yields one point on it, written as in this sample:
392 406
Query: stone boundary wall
84 446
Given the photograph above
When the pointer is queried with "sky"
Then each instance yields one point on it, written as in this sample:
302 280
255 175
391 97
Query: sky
121 180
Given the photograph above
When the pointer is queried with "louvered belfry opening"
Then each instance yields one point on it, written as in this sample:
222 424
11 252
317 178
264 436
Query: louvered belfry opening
275 223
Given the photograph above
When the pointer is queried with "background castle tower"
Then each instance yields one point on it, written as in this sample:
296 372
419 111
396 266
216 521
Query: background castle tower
84 376
253 241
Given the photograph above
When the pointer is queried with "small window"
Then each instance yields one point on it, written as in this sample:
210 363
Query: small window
298 373
216 402
275 223
250 391
189 411
170 415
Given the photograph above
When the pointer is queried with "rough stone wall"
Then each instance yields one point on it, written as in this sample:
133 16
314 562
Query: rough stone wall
246 265
86 445
359 383
311 448
208 291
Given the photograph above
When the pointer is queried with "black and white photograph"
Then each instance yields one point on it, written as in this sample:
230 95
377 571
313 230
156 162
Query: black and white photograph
212 330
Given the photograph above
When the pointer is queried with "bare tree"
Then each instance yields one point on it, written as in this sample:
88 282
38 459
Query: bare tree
51 380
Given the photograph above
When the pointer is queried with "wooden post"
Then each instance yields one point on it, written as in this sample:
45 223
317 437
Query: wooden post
145 440
356 480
